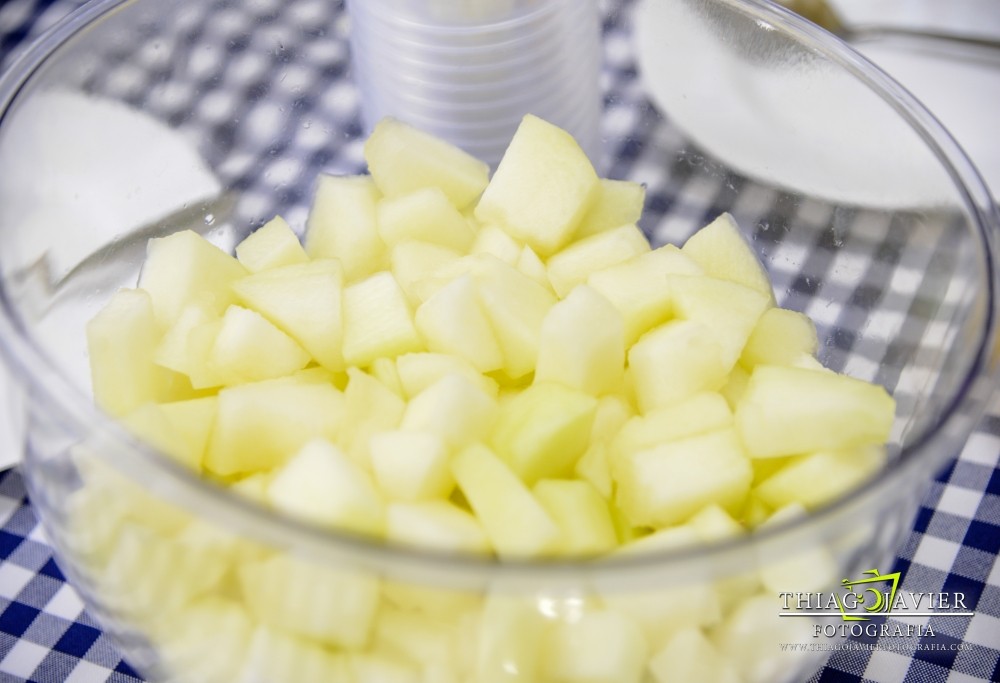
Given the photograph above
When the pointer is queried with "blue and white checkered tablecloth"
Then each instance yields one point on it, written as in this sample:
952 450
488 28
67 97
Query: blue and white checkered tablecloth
47 636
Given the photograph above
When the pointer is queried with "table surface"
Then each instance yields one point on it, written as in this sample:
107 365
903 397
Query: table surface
47 636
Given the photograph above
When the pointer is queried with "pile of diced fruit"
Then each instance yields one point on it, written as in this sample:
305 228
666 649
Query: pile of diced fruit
486 365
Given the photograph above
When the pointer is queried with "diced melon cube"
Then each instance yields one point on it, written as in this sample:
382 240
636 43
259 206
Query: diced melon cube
419 638
333 606
543 430
515 522
377 321
713 523
402 159
208 640
818 478
342 225
186 345
411 466
599 647
384 370
417 371
452 321
275 655
425 215
511 641
582 515
582 344
382 668
841 412
723 252
322 485
304 300
413 262
270 246
424 288
674 361
150 424
248 348
662 612
779 338
574 264
516 305
531 265
493 240
542 188
594 466
735 386
183 267
192 422
751 637
808 567
617 203
670 538
690 656
435 524
121 340
699 413
613 412
668 483
370 408
259 426
728 309
454 408
638 287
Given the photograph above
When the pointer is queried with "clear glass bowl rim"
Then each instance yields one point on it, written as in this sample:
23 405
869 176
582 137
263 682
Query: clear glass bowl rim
52 391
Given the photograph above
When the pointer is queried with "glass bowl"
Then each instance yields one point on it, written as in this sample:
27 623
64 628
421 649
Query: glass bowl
136 119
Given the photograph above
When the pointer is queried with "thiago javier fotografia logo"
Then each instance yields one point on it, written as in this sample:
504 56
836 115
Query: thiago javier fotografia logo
852 609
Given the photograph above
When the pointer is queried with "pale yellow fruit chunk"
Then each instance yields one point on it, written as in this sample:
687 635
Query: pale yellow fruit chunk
192 421
403 159
436 524
582 515
639 289
751 636
728 309
780 337
186 345
574 264
259 426
321 484
594 465
305 301
370 408
543 430
417 371
183 267
674 361
663 611
790 411
492 240
414 261
452 321
377 321
618 202
274 655
342 225
511 640
425 215
582 344
411 466
599 647
121 340
271 246
208 639
332 606
723 252
668 483
690 656
454 408
248 348
531 265
542 188
818 478
697 414
516 306
515 522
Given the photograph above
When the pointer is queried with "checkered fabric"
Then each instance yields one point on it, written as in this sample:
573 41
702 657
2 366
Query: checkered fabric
284 139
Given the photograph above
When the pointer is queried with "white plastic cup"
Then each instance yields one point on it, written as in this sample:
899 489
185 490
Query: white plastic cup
469 70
